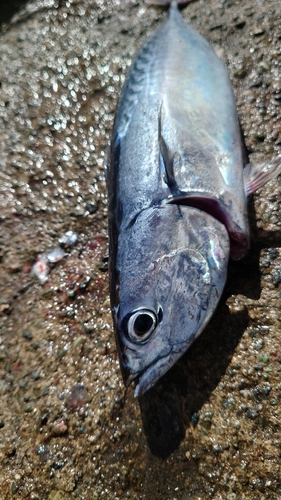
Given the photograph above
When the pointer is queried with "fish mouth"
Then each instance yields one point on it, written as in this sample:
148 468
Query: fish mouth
147 377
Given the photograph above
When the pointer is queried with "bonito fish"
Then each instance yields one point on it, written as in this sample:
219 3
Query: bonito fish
177 198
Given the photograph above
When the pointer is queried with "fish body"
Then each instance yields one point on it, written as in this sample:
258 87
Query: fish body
177 199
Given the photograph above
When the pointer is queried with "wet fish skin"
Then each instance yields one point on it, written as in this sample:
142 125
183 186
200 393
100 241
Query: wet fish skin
175 266
151 168
177 199
178 71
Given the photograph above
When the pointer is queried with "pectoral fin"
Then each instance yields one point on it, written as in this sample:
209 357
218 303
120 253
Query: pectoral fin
256 176
166 158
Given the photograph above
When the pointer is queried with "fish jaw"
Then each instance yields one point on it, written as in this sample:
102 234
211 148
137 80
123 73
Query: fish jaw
172 265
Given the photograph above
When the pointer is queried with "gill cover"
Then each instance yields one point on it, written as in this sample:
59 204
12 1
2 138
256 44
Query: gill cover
172 265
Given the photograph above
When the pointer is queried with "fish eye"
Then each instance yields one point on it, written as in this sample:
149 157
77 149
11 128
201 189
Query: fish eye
141 324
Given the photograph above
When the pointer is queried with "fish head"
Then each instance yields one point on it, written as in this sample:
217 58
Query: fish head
172 265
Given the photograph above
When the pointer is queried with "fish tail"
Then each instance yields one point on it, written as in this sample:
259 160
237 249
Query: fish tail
171 3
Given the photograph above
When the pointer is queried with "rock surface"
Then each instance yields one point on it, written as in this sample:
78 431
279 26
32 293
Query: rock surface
69 430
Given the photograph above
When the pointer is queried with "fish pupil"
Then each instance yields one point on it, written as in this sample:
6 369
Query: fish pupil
139 325
143 324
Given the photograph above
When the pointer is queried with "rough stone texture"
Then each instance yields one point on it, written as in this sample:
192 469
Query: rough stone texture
210 429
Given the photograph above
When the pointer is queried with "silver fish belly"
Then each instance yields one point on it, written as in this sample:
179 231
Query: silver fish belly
177 202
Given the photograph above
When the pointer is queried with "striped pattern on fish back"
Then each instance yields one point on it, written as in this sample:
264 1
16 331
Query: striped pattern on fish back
134 85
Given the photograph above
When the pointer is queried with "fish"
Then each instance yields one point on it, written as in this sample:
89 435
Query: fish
178 185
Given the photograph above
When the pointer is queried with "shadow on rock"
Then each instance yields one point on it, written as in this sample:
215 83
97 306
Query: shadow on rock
244 274
9 8
174 402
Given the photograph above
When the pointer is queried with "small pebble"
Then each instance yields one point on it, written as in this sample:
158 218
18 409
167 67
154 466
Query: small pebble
258 368
55 255
62 352
5 308
263 358
28 409
88 327
23 384
258 31
251 413
276 277
257 82
91 208
124 470
27 335
195 419
79 341
78 396
227 402
103 267
69 312
58 465
259 344
218 448
273 253
57 494
84 284
15 488
41 269
59 428
68 239
35 375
